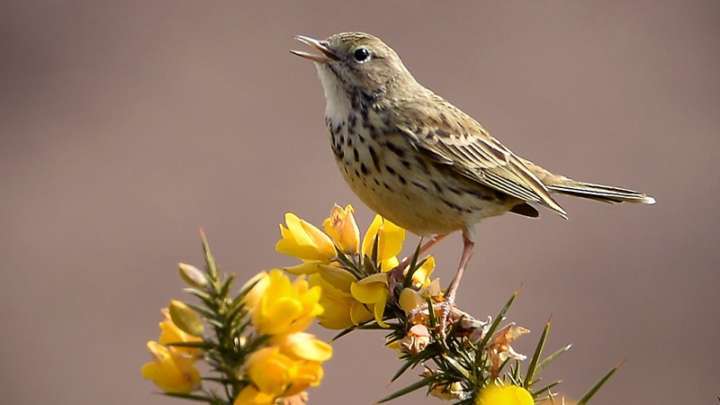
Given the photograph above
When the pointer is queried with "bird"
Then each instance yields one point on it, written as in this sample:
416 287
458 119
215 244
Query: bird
418 160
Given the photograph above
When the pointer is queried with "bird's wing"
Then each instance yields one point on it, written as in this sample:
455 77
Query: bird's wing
451 137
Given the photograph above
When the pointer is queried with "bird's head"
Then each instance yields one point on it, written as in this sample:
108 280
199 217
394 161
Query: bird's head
355 61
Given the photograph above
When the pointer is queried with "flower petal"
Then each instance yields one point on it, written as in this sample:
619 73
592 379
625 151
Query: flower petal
369 293
421 277
337 277
379 312
251 396
343 229
308 267
409 300
506 395
375 278
359 313
305 346
303 240
270 370
390 239
171 370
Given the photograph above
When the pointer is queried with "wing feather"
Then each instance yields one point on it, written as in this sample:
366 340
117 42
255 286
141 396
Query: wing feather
451 137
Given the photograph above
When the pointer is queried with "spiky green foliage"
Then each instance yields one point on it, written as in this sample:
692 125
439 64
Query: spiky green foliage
458 360
231 340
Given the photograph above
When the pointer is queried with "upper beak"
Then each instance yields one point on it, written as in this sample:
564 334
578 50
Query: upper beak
326 54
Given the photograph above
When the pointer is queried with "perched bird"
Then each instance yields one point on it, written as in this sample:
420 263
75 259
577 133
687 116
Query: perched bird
421 162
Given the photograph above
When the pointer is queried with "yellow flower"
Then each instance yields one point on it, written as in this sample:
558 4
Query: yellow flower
410 299
270 370
307 267
341 310
305 374
343 229
504 395
259 283
252 396
390 241
285 307
372 290
303 240
303 346
280 373
186 318
170 333
421 277
171 370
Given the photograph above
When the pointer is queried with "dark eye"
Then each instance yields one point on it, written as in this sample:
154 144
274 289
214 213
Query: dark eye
361 55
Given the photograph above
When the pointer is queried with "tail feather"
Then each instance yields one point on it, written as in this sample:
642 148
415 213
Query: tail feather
599 192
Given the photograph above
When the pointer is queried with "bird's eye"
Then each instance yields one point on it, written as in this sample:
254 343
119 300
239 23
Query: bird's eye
361 55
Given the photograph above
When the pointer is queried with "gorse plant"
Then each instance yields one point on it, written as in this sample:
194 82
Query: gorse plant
258 352
253 341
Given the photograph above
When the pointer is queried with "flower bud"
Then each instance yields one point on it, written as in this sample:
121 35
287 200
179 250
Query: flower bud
192 275
185 318
343 229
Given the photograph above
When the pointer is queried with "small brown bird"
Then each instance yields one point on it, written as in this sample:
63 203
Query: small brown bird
419 161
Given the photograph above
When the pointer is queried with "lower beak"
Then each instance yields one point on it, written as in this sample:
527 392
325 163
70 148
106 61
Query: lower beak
326 55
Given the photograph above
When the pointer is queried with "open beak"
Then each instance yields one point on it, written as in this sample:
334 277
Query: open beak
325 56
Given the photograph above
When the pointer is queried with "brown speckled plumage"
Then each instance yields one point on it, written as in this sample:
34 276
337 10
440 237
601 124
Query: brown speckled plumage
419 161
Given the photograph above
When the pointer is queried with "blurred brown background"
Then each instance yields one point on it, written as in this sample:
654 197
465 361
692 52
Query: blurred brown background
124 126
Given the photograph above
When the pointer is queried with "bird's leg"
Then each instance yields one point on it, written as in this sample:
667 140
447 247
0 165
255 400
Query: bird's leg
449 302
396 274
468 246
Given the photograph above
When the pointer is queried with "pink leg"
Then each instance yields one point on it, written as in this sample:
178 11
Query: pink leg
468 245
447 306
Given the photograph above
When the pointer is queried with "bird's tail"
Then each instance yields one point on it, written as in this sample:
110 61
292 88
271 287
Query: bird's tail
599 192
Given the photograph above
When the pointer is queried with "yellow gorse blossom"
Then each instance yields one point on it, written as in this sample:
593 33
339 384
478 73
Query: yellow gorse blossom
504 395
283 306
390 241
421 276
303 240
271 358
289 366
292 361
171 333
411 298
252 396
171 370
372 290
348 299
257 349
343 229
186 318
303 346
341 310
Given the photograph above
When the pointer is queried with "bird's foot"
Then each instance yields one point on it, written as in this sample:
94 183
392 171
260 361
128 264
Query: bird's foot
445 314
446 308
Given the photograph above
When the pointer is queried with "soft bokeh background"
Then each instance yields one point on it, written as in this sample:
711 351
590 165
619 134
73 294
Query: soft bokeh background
126 125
